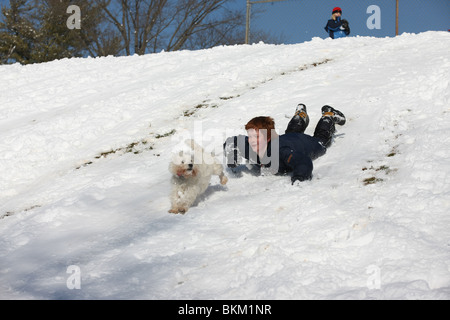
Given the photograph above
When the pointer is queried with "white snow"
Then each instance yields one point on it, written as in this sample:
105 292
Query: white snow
79 221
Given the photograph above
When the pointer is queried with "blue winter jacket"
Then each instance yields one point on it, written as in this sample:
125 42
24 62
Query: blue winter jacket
290 152
334 29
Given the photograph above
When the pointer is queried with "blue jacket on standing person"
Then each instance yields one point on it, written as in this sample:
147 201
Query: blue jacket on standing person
337 27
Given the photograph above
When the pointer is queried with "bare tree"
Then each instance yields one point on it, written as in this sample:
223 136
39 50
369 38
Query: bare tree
191 15
152 25
134 20
36 31
228 31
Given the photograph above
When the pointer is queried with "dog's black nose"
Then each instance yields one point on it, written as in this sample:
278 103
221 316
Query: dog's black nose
190 166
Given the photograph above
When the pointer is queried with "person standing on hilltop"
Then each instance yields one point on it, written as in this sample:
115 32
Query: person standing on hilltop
337 27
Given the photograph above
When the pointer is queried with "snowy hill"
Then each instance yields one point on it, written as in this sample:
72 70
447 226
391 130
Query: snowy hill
85 146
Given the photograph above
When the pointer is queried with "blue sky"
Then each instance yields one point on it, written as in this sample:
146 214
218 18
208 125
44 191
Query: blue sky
297 21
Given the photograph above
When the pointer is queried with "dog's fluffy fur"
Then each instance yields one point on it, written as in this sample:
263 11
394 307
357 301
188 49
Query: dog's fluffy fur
191 170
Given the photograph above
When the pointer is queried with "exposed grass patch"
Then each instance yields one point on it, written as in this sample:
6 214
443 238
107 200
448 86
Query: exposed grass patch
10 213
204 105
168 134
373 179
190 112
306 67
135 147
228 98
391 154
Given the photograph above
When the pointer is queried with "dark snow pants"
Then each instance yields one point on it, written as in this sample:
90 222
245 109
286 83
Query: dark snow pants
323 132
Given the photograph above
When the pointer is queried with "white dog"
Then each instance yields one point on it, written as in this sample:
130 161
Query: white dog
191 170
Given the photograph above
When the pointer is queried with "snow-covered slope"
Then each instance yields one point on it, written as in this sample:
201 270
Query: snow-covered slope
85 146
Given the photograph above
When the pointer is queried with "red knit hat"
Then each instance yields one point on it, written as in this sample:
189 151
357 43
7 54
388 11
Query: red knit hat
337 9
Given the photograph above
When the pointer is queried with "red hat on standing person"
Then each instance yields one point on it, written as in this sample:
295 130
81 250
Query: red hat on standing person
337 9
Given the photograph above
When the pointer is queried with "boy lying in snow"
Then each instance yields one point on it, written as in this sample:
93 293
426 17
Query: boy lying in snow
290 152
